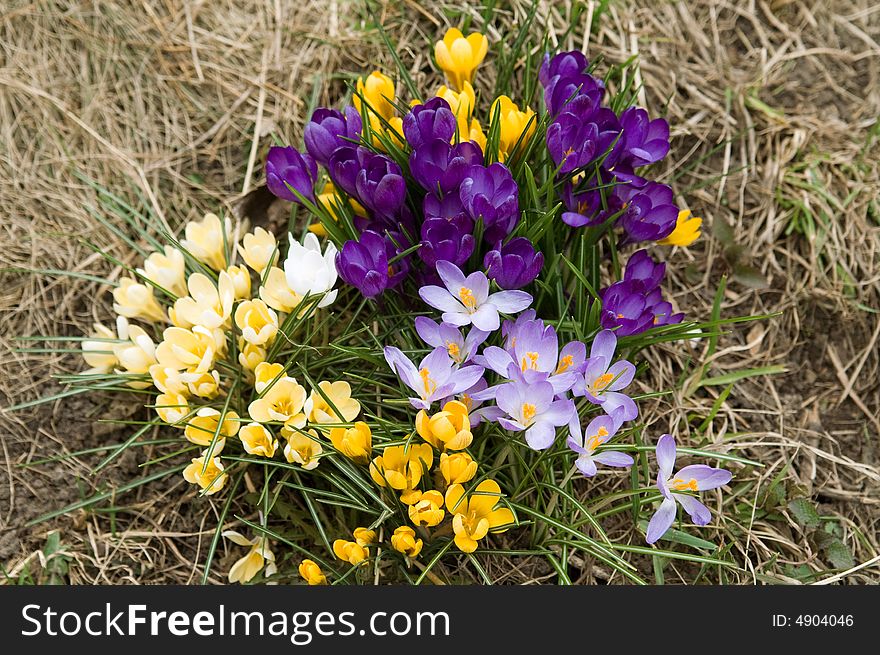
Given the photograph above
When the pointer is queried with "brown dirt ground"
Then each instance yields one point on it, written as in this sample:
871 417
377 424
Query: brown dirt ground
773 106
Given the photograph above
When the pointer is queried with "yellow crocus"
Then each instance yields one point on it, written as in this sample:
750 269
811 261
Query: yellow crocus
258 557
476 135
474 516
687 230
312 573
516 126
350 551
364 536
136 355
193 351
428 509
277 293
355 442
98 351
168 380
449 429
257 440
202 427
462 104
404 541
250 356
203 385
204 240
282 403
302 449
259 249
377 91
171 407
457 468
458 57
133 299
257 322
241 281
266 373
318 410
166 269
331 201
207 305
212 479
401 468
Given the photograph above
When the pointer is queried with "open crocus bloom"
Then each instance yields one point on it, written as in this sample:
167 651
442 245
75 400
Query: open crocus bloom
674 487
309 272
258 556
474 516
460 348
466 300
435 378
598 432
531 407
207 305
603 380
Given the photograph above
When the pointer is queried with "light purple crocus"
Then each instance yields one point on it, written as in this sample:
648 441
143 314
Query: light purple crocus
534 409
436 377
460 348
674 487
599 431
473 399
603 378
466 300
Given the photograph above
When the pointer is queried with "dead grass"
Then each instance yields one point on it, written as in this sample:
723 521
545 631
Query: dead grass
774 108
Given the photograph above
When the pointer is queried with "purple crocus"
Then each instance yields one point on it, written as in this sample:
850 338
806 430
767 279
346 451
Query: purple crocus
440 167
534 409
643 141
364 264
344 165
491 194
380 186
604 378
675 488
641 268
443 335
514 264
436 377
649 213
445 240
430 121
586 205
599 431
582 133
466 300
330 129
563 64
288 168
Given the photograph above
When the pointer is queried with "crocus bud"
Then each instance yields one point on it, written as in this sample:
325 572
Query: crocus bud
364 264
311 573
457 468
432 120
445 240
350 551
259 249
514 264
446 430
288 168
404 541
458 57
428 509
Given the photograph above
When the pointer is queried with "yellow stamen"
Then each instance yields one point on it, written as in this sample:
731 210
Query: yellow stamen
467 298
467 401
680 485
528 412
565 363
453 349
530 361
596 439
427 381
602 381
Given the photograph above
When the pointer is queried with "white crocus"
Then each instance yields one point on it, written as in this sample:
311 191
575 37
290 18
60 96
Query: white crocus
309 272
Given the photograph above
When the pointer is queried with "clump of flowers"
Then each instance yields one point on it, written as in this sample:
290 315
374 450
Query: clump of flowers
447 338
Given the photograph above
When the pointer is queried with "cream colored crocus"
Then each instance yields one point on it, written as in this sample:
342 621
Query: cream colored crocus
319 410
687 230
355 442
98 351
457 468
312 573
193 351
210 478
427 510
204 240
281 403
377 91
474 516
166 269
136 355
241 281
202 427
303 449
277 294
204 385
459 56
449 429
404 541
401 468
257 440
257 322
350 551
207 305
259 249
250 356
172 407
133 299
266 373
516 127
258 557
168 380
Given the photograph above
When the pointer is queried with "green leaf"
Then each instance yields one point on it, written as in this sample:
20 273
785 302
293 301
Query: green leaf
805 513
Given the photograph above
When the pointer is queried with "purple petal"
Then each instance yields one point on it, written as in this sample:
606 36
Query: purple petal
661 521
586 465
428 331
613 458
698 512
540 436
559 412
440 298
624 372
604 345
510 302
486 318
451 275
665 455
497 359
707 477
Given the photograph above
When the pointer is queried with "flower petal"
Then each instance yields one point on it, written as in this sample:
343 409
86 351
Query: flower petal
661 521
510 302
440 298
707 477
698 512
665 455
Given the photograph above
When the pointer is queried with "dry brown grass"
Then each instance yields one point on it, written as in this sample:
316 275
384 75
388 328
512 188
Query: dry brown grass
161 101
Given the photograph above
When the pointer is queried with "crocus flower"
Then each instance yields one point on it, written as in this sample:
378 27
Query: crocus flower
201 428
377 91
563 64
404 541
649 213
401 468
458 57
516 127
241 281
329 129
312 573
430 121
440 167
514 264
132 299
592 201
258 323
258 249
302 448
640 267
426 508
282 403
460 348
599 431
204 240
474 516
355 442
192 351
461 103
345 164
350 551
318 410
309 272
534 409
581 134
563 89
98 353
457 468
629 308
172 407
436 377
166 269
604 379
642 141
210 478
364 264
208 305
687 230
491 194
675 488
286 169
466 300
259 556
257 440
445 240
449 429
380 186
